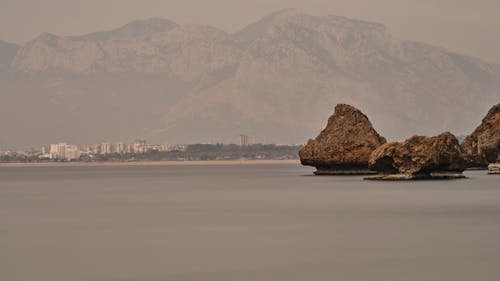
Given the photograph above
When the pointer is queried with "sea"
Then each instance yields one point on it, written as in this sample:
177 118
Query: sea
243 222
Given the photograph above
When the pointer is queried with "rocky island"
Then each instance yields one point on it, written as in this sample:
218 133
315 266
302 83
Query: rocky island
419 157
482 147
344 146
350 145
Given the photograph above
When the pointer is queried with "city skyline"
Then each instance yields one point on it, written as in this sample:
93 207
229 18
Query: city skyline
140 151
137 145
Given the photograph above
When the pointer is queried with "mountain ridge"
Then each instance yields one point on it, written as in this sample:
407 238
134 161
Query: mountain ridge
279 77
132 29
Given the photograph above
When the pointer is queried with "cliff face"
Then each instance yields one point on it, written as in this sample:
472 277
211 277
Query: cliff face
345 145
419 157
483 145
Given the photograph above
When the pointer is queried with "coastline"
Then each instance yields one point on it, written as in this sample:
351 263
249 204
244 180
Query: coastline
148 163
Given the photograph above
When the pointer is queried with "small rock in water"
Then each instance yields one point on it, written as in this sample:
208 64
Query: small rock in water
494 169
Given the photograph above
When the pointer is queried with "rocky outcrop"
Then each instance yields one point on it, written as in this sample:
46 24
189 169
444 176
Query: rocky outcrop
419 157
483 145
344 146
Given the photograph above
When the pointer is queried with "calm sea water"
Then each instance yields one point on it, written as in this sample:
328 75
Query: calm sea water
243 222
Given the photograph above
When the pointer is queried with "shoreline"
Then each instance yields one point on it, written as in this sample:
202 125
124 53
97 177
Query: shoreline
148 163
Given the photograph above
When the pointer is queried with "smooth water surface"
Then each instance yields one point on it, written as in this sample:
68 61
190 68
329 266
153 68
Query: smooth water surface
243 222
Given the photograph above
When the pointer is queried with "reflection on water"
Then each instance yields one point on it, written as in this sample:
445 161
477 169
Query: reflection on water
243 222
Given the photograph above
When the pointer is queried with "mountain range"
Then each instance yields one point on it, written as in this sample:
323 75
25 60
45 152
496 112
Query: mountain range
278 78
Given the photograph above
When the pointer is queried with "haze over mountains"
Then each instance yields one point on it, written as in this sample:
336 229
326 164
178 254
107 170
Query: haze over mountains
7 53
279 77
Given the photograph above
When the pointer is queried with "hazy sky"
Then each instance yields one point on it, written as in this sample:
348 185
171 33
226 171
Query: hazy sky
467 26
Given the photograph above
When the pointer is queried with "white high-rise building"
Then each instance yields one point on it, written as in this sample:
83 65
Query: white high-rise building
58 151
119 147
139 146
106 148
72 152
64 151
243 140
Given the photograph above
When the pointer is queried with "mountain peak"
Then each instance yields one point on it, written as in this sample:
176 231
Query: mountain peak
157 24
255 30
286 17
285 13
138 29
283 16
47 38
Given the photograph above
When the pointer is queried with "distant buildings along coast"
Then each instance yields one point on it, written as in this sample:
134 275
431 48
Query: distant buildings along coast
140 150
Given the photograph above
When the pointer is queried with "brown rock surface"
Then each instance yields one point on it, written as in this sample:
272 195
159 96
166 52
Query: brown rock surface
419 157
483 145
494 169
344 146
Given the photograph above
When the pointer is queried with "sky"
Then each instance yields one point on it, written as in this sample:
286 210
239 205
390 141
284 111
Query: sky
466 26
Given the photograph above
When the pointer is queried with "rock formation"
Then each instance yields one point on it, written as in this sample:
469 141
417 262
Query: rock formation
344 146
483 145
419 157
494 169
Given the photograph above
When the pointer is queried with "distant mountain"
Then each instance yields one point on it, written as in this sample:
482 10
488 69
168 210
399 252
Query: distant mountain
136 30
7 53
279 77
151 46
295 67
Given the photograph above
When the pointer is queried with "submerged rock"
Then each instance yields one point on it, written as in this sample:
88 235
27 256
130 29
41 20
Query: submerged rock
344 146
494 169
483 145
419 157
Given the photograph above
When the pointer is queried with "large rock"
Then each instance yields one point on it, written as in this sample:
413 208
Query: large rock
419 157
344 146
483 145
